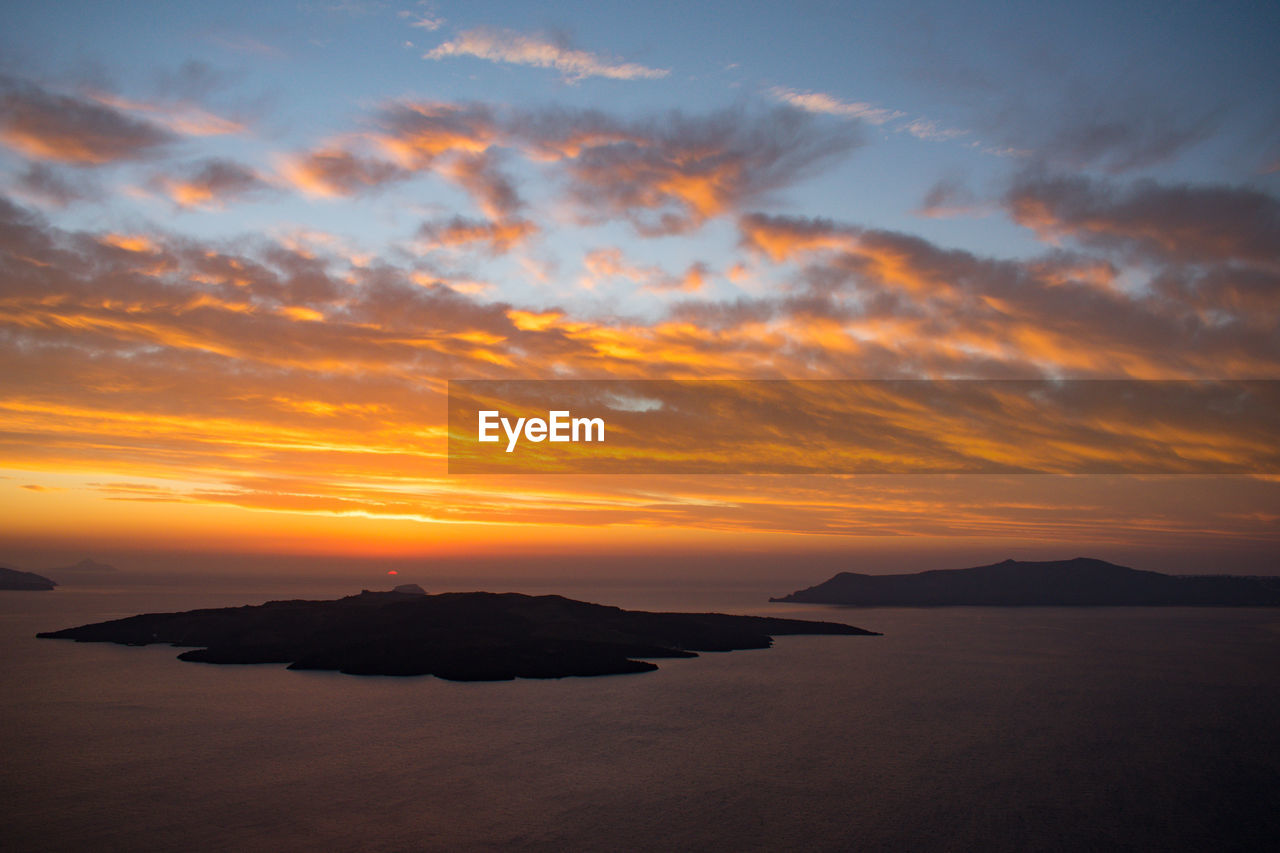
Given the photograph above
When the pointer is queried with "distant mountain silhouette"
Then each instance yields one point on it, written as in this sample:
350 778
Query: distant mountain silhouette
85 566
466 636
1079 582
15 579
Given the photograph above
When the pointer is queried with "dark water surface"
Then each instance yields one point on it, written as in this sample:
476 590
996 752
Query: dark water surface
960 729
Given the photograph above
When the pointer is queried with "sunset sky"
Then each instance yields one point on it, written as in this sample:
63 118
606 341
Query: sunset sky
244 247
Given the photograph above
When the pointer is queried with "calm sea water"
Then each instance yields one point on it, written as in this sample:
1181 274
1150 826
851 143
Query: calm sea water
960 729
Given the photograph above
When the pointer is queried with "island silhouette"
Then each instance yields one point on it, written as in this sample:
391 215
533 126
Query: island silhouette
459 636
1084 581
16 579
11 578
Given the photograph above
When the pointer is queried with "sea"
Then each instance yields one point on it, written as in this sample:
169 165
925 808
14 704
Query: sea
959 729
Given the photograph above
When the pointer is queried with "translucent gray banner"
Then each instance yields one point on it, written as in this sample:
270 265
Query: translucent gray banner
864 427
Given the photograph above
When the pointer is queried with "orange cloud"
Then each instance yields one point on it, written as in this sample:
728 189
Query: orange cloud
1178 223
496 196
281 380
683 171
783 238
873 426
332 172
129 242
450 140
665 175
669 174
499 236
415 133
607 263
65 129
183 118
211 184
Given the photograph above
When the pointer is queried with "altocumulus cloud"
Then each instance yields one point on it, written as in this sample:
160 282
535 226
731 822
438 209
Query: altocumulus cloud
210 183
669 174
664 174
44 125
1169 222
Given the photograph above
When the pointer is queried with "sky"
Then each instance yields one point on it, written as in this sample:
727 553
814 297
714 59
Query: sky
245 246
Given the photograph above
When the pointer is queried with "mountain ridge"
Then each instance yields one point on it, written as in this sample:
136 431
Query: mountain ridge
1082 581
85 566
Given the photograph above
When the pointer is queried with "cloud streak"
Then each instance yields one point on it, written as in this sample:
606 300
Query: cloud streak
540 52
182 118
818 102
1167 222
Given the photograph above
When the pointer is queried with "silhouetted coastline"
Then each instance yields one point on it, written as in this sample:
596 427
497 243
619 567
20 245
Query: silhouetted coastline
1064 583
15 579
472 636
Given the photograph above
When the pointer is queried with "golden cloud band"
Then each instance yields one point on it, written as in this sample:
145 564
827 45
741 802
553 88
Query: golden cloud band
866 427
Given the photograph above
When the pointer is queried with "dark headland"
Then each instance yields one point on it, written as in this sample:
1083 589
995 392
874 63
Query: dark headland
1079 582
14 579
461 636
